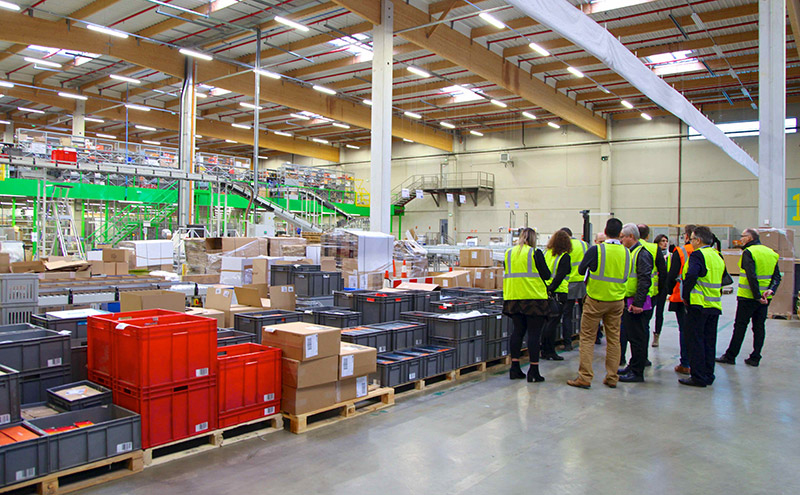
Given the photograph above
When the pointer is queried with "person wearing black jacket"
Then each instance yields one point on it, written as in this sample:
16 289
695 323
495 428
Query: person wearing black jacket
751 302
676 303
638 305
558 257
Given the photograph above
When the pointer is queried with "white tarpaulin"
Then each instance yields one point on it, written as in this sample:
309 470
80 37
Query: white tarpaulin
572 24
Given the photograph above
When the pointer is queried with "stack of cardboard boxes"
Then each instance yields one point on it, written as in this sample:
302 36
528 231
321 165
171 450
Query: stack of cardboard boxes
782 242
318 369
483 274
150 255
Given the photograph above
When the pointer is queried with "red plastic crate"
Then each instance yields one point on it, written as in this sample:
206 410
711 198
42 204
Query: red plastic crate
173 412
64 156
249 378
158 351
100 379
251 413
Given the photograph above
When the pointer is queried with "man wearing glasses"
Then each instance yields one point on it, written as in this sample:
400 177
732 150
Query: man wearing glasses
759 278
702 293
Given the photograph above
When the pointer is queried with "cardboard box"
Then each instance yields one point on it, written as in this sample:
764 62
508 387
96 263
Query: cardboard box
287 246
219 316
453 279
498 278
152 299
305 400
235 270
282 297
5 263
254 295
417 286
732 258
116 255
352 388
28 267
328 264
120 268
782 303
297 374
211 278
780 240
220 297
476 257
482 278
261 268
303 341
356 360
230 313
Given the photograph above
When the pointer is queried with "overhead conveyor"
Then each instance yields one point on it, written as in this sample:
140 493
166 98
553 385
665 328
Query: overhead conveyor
246 192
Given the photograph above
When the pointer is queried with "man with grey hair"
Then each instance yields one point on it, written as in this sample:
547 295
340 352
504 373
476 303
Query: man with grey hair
638 305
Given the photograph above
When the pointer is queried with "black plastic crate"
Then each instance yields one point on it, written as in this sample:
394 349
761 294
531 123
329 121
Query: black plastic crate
454 305
371 337
21 461
421 300
347 298
428 361
468 351
446 356
378 307
429 319
25 347
498 326
114 431
496 349
229 336
486 302
474 291
284 274
310 315
317 284
102 398
453 291
63 321
396 369
339 318
404 334
304 303
253 322
9 395
466 327
33 385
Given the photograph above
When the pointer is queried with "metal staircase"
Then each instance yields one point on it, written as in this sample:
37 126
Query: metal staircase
466 183
60 231
246 192
133 218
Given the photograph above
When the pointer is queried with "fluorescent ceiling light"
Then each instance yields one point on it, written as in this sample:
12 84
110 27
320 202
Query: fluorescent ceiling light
462 94
249 105
298 116
105 30
38 61
92 119
192 53
198 136
605 5
6 84
323 89
5 122
407 140
154 143
626 104
554 125
412 115
218 91
353 147
742 129
646 116
241 126
368 102
231 141
145 128
125 79
604 89
266 73
447 125
281 133
202 96
498 103
529 115
340 125
416 70
538 49
292 24
105 136
29 110
133 106
476 133
494 21
745 92
575 72
320 141
64 94
9 5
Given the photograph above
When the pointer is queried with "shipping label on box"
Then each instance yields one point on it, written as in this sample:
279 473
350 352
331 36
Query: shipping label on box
356 360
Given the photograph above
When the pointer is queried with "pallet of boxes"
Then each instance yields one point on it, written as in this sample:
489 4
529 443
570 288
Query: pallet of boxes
784 302
481 267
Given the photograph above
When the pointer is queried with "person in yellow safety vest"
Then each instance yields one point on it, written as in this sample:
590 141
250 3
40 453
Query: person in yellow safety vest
759 278
576 290
702 291
558 258
525 301
608 265
674 280
638 304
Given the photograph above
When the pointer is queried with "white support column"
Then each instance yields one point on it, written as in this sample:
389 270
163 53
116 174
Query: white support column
78 122
772 113
605 172
8 132
381 136
187 144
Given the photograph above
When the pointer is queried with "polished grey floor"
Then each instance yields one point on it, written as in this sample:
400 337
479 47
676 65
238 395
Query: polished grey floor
487 434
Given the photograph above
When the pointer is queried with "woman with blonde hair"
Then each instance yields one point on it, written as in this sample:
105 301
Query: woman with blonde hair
525 300
558 260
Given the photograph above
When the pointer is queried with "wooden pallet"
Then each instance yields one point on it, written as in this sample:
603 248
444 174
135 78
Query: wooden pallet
212 440
86 476
450 376
377 398
782 316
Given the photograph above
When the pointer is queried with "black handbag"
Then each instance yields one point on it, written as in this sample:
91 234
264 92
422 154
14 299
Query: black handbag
553 306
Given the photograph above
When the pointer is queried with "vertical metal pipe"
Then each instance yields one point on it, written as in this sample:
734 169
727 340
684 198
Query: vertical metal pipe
256 116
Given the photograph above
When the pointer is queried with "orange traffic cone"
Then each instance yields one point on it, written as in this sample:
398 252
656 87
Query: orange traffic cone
404 272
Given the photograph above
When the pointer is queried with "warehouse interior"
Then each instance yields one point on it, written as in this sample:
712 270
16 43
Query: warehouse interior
188 187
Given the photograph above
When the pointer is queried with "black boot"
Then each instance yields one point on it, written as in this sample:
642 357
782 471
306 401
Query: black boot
515 373
533 374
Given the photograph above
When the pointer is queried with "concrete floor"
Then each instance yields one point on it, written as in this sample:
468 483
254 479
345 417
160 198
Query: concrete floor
487 434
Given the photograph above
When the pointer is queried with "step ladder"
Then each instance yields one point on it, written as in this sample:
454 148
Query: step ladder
59 215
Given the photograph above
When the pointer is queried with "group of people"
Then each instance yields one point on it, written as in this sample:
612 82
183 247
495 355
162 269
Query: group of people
618 284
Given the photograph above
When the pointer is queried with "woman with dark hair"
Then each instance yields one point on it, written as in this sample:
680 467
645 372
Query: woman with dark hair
525 300
662 248
559 262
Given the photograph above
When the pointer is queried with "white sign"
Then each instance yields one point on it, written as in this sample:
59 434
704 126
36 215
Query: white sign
516 205
449 197
462 199
508 204
405 193
419 194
